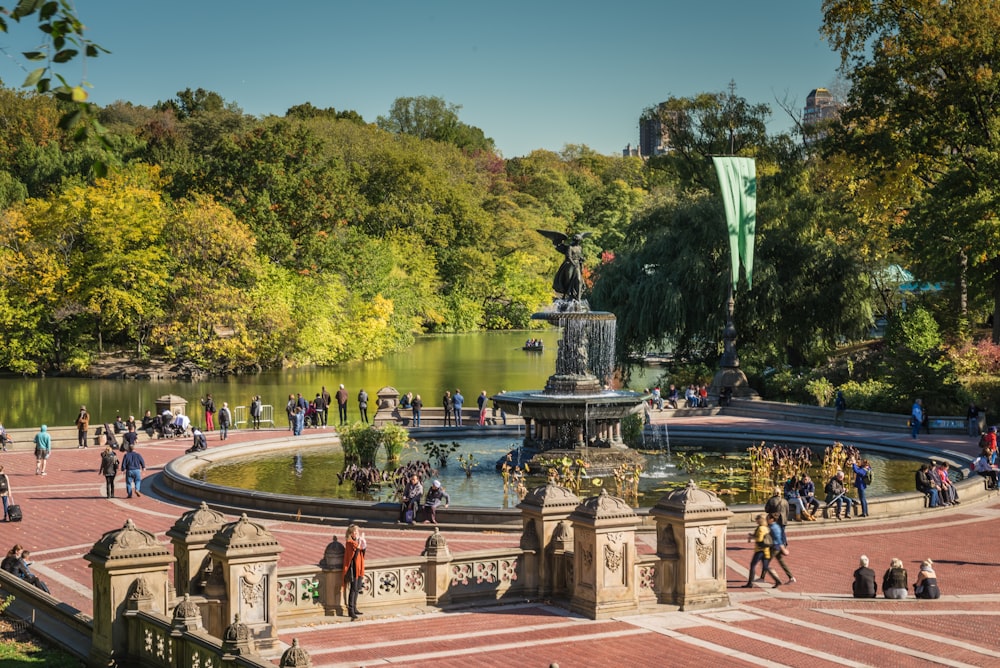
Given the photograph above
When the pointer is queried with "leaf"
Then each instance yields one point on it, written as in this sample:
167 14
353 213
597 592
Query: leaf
34 55
79 94
34 77
70 119
65 55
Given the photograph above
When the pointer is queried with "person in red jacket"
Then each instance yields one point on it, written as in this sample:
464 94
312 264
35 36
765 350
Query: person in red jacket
354 567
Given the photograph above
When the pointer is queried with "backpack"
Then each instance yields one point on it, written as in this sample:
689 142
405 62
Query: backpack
4 484
869 477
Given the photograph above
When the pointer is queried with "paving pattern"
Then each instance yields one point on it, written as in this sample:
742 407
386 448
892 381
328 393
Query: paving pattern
813 622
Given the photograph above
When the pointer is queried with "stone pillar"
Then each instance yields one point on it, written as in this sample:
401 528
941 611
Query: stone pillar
691 528
333 578
438 563
127 564
542 509
190 536
246 555
604 577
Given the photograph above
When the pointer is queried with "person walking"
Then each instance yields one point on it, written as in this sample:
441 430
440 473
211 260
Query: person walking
225 419
43 448
780 547
763 543
109 469
209 405
82 426
417 405
5 492
134 465
916 417
363 405
354 568
342 404
973 418
458 401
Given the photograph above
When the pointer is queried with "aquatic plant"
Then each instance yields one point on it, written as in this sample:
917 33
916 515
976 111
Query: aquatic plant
440 452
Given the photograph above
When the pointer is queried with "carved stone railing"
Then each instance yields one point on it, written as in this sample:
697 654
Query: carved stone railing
647 567
153 643
299 592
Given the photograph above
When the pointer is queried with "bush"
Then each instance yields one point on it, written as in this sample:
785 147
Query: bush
871 395
821 390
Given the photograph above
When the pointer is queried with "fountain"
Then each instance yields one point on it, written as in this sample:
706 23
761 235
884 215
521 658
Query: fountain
576 409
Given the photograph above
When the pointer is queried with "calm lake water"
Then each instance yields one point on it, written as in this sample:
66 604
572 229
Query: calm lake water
490 361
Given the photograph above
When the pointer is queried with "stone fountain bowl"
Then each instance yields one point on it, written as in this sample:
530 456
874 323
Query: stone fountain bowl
606 405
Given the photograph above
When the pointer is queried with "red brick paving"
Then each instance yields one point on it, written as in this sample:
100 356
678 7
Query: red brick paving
65 513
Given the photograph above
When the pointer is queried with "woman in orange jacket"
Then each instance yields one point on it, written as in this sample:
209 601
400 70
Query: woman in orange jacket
354 567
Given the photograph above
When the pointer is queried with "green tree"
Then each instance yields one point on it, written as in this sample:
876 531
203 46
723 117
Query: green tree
916 364
433 118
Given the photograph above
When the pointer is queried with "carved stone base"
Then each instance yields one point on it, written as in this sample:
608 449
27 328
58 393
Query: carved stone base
561 384
734 378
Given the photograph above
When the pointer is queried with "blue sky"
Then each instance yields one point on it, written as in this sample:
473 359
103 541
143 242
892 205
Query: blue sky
534 74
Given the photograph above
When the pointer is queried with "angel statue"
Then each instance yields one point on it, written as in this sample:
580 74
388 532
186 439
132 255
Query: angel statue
568 282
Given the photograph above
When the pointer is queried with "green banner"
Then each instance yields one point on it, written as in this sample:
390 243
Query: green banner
738 179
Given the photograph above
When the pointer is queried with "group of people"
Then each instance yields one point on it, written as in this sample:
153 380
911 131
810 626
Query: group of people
534 344
132 465
770 542
304 413
17 563
894 581
410 506
933 480
987 464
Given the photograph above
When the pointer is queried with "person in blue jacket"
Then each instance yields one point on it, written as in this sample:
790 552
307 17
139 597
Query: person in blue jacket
458 400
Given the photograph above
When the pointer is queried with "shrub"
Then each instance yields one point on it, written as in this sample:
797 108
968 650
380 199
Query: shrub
821 390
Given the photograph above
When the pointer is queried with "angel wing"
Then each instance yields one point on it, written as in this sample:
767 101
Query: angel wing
554 237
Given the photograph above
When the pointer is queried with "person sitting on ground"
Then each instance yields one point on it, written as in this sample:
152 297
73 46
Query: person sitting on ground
200 442
435 497
412 492
894 584
14 564
926 484
927 584
864 580
836 493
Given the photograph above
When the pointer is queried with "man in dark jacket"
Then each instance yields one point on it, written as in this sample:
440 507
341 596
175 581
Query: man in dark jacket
864 580
133 465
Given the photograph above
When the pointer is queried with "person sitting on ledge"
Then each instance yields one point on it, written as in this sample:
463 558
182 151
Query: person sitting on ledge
14 564
435 497
864 580
927 584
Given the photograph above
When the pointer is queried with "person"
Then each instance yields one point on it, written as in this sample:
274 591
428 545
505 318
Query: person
703 396
481 402
691 397
362 405
320 406
43 448
926 585
836 492
435 497
791 494
148 423
355 545
989 440
299 418
839 407
209 405
777 506
5 492
82 426
916 417
983 467
449 407
342 405
406 400
290 411
133 465
763 542
199 441
412 492
862 476
864 580
673 396
949 493
807 495
327 400
5 438
657 398
256 408
14 564
894 583
130 437
119 424
973 416
458 401
109 469
926 484
417 405
225 419
780 544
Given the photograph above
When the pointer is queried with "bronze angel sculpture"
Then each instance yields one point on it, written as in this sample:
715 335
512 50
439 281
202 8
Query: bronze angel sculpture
568 282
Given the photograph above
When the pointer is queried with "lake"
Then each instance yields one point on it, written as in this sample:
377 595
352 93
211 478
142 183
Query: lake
490 361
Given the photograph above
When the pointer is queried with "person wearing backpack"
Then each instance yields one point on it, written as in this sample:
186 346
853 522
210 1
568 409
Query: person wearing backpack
225 420
5 492
862 478
109 469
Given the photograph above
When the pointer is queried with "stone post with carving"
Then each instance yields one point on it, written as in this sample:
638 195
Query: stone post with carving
604 578
245 553
691 528
332 587
544 512
438 557
190 536
129 568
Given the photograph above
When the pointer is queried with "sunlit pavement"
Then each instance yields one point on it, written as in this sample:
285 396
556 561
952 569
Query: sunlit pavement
811 623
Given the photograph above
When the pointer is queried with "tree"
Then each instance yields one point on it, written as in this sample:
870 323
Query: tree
923 101
433 118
